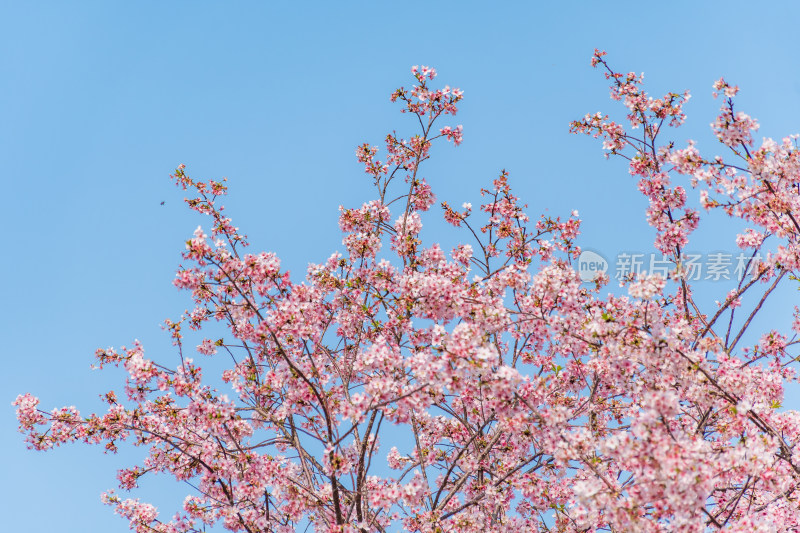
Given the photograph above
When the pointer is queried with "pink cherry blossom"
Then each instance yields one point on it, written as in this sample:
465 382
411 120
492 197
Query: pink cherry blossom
401 386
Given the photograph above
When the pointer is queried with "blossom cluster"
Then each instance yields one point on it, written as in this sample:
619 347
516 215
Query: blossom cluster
488 388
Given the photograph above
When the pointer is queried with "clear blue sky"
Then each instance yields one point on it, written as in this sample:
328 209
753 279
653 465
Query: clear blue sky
101 100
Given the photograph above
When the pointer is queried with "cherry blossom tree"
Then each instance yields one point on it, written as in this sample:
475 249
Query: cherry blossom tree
482 389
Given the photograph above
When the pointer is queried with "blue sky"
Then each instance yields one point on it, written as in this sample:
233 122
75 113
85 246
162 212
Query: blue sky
101 100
